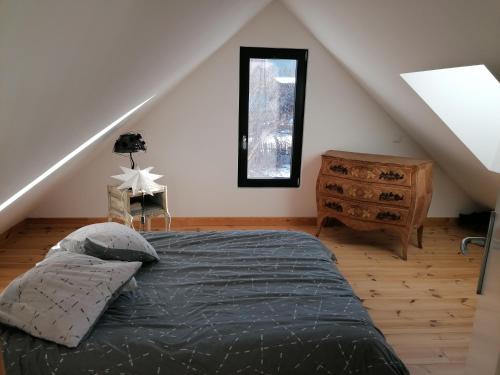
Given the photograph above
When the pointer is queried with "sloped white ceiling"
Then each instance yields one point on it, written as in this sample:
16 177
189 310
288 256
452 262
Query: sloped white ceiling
378 40
69 68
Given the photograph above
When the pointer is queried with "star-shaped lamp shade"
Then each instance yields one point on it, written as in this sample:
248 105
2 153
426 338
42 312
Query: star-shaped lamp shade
140 180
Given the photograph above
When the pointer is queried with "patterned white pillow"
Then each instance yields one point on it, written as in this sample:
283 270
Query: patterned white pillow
128 287
110 241
61 298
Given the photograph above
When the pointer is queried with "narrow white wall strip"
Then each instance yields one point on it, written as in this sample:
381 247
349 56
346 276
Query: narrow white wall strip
70 156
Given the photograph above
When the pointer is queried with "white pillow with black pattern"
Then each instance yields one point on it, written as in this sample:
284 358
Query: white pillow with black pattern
110 241
128 287
62 297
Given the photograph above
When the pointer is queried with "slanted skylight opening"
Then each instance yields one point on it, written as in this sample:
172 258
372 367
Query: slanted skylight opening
467 99
70 156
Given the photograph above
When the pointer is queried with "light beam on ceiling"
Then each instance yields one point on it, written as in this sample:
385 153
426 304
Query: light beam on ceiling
70 156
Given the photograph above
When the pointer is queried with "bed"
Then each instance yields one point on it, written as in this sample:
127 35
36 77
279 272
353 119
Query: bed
238 302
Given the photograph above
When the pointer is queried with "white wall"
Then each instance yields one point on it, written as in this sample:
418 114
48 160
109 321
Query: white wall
378 40
192 136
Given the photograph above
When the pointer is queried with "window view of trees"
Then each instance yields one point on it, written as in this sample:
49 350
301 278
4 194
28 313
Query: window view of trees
271 110
271 116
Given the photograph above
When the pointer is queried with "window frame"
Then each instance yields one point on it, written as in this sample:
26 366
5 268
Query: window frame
301 56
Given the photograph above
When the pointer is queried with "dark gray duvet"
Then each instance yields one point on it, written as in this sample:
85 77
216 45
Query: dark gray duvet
241 302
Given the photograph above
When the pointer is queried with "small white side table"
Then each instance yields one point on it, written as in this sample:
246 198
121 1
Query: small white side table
125 205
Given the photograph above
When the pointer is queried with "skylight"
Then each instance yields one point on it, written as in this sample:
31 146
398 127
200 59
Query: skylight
70 156
467 99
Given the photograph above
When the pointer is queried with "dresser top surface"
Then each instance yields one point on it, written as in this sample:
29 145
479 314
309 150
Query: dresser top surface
375 158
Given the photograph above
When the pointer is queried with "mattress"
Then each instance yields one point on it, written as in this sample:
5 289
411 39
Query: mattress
237 302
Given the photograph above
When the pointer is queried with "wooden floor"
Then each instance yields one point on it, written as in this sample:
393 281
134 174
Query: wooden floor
424 306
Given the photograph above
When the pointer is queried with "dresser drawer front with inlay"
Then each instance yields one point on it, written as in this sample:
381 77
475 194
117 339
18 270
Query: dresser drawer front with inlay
364 211
373 172
377 193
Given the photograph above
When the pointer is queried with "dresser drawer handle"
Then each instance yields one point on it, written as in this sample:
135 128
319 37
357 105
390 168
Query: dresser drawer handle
390 197
339 169
391 176
387 215
334 187
334 206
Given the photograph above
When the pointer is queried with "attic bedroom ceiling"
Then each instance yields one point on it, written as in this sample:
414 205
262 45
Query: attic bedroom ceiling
376 41
69 68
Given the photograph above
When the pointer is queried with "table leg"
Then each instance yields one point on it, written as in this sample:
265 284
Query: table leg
420 232
320 223
405 240
168 221
129 220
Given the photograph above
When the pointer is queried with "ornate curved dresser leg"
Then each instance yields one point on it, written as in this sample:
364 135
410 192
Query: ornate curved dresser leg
420 232
320 225
405 240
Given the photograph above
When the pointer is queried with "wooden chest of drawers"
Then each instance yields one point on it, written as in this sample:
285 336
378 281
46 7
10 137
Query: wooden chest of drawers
369 192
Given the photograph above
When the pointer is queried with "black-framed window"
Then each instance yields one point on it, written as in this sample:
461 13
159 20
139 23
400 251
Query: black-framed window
271 117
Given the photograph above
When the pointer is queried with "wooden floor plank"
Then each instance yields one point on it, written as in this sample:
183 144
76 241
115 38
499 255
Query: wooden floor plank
424 306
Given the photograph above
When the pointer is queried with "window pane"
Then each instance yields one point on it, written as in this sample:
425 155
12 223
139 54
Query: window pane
271 110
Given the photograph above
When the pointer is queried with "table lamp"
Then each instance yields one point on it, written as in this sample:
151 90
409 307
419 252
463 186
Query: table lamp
129 143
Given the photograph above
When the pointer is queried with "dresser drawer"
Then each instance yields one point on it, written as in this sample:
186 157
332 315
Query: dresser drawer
378 193
383 174
364 211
